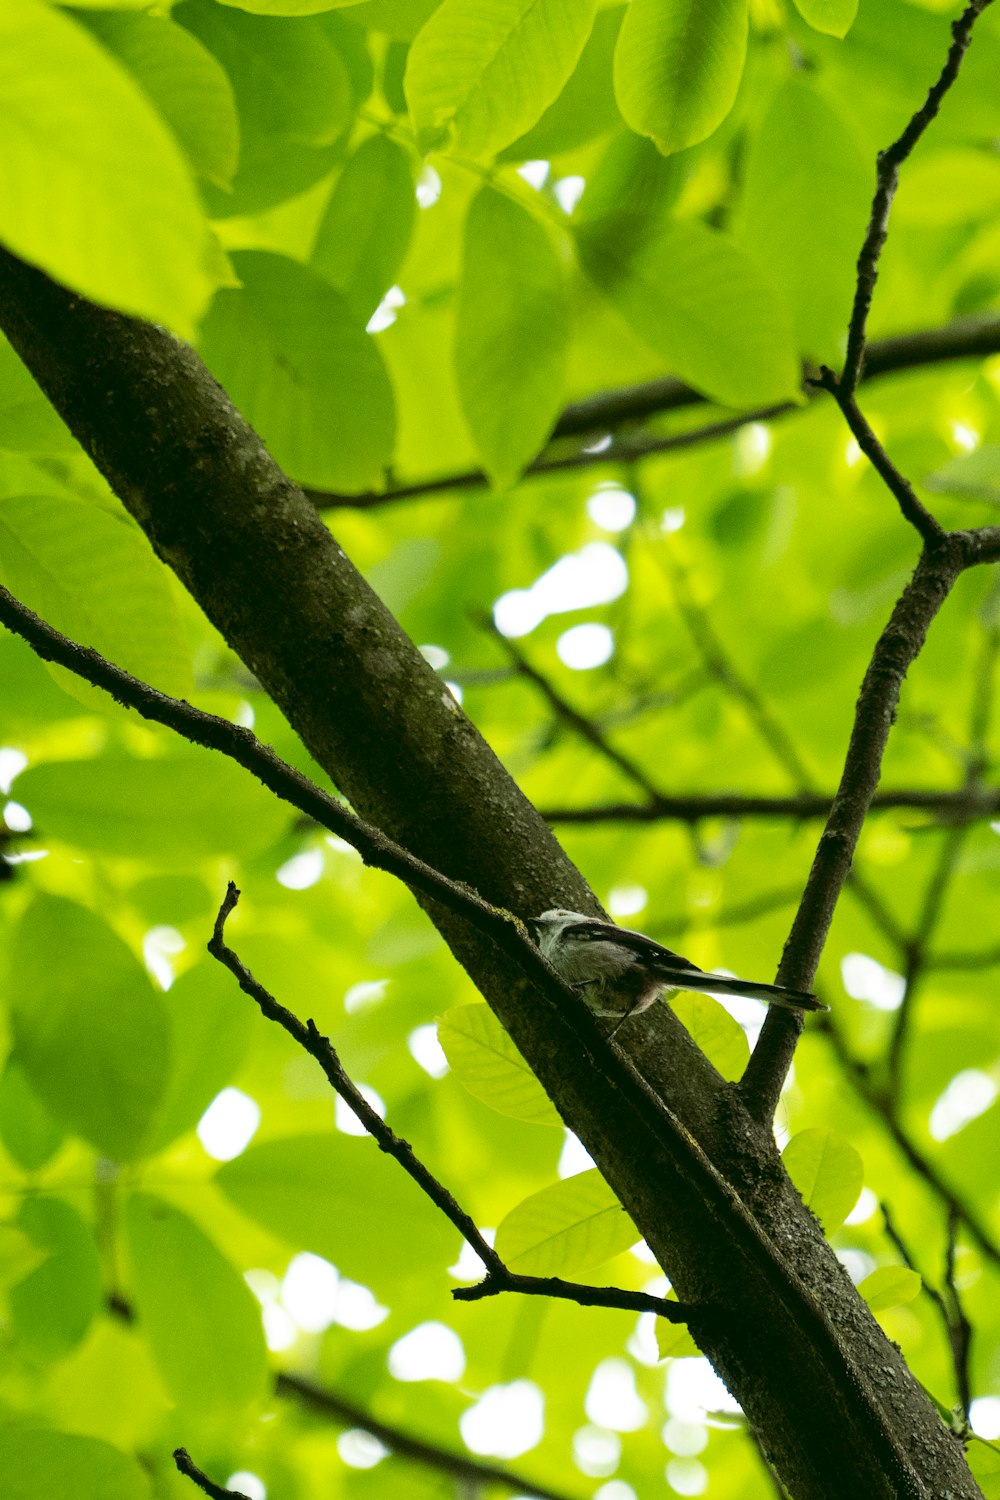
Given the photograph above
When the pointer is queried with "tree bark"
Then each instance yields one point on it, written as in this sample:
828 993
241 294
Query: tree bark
829 1397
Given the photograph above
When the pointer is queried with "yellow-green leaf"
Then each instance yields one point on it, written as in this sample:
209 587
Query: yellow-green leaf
511 335
481 72
486 1062
565 1228
888 1286
827 1171
678 65
720 1037
833 17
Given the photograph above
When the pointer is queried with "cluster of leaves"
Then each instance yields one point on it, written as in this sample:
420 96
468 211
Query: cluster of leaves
274 182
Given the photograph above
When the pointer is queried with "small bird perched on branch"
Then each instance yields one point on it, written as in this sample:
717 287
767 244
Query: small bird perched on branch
621 972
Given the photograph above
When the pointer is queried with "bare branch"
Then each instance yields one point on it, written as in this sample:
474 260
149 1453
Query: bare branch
186 1466
498 1278
950 807
889 162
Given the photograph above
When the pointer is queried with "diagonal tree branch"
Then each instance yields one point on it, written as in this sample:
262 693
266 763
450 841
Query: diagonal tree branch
498 1278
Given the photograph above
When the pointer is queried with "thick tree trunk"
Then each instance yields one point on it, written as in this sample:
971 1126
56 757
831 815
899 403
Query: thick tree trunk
830 1398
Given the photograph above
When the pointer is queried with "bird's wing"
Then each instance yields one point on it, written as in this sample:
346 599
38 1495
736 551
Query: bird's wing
645 948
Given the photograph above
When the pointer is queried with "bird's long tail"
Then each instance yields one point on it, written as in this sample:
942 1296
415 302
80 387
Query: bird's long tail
723 984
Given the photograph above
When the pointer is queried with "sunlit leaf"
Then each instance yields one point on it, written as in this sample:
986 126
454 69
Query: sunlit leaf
678 65
700 302
834 17
481 72
717 1033
808 194
511 334
93 576
289 350
586 108
364 233
27 1129
36 1463
827 1171
566 1228
486 1062
200 1317
976 475
888 1286
95 188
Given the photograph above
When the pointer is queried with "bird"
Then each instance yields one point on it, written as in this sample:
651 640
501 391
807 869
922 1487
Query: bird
620 972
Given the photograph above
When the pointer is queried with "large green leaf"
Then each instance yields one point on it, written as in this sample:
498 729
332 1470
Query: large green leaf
294 94
185 82
511 334
121 805
27 1129
201 1319
93 186
365 231
90 1029
678 65
92 575
340 1197
28 421
808 194
481 72
486 1062
565 1228
210 1025
37 1464
52 1308
586 108
701 303
889 1286
827 1171
289 351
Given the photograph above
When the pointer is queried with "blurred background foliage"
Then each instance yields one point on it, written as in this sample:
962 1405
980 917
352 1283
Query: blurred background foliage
397 290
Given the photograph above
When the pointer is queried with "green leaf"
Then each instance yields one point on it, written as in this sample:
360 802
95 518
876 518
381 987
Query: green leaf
211 1022
960 185
673 1340
511 335
90 1030
185 82
28 420
832 17
808 194
701 303
36 1464
92 575
27 1129
120 805
288 7
720 1037
586 108
201 1319
565 1228
678 65
289 351
365 231
53 1307
341 1197
984 1461
888 1286
975 475
294 93
828 1173
95 189
19 1256
486 1062
481 72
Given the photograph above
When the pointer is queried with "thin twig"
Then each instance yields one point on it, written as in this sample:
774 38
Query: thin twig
474 1471
498 1278
898 485
949 807
957 1328
186 1465
608 410
889 162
